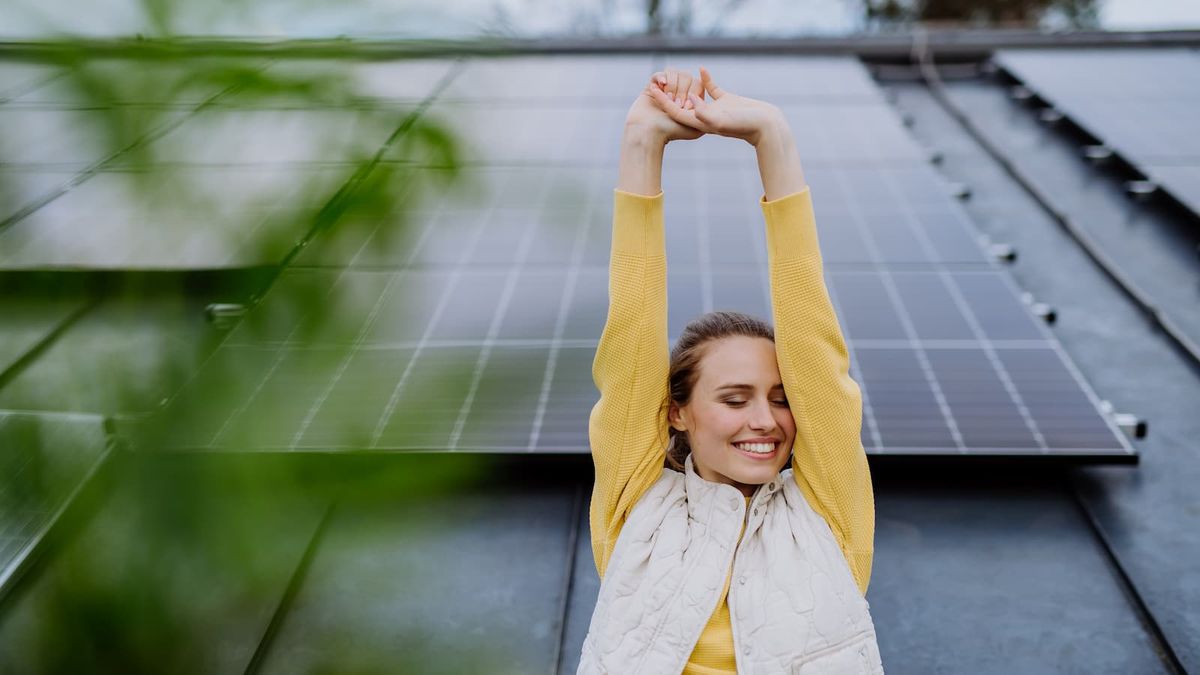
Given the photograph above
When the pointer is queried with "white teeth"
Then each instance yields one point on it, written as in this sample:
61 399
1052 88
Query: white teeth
759 448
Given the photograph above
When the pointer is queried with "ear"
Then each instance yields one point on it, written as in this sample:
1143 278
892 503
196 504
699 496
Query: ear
675 418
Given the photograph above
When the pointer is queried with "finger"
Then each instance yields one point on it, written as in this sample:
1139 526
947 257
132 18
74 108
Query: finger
697 90
710 86
682 87
672 82
659 79
705 114
684 117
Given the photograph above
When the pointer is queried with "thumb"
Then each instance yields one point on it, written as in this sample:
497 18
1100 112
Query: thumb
710 86
701 107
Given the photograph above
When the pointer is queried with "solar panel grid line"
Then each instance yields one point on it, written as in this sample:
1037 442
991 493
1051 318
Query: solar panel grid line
758 236
1076 375
282 351
510 284
914 222
927 343
905 321
94 167
343 364
704 253
393 345
426 232
277 360
30 84
990 351
423 343
560 323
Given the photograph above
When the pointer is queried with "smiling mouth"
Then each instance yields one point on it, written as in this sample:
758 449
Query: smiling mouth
757 450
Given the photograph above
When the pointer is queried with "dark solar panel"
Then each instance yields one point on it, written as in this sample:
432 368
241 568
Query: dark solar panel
114 82
476 329
1121 98
42 458
186 217
27 321
120 356
53 139
18 78
585 78
233 184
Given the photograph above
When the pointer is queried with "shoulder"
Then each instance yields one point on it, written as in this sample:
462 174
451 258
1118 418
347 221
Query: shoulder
792 496
664 495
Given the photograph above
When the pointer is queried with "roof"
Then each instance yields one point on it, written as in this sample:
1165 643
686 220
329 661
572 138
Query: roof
224 458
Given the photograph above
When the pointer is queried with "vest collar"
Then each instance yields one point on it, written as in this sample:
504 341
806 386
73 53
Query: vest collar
707 500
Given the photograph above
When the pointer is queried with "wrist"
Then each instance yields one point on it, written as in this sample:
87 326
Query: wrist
772 131
643 136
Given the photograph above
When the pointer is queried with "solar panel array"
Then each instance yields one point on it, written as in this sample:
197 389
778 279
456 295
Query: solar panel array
475 328
160 168
1142 103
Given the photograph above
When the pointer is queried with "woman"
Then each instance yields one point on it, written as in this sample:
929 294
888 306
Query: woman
717 562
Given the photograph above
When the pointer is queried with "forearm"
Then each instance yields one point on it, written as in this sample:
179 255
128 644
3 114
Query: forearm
778 159
640 168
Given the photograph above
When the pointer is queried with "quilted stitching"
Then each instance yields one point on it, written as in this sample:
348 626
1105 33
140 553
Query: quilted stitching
798 609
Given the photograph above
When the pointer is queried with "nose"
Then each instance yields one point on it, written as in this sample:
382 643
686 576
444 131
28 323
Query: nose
761 418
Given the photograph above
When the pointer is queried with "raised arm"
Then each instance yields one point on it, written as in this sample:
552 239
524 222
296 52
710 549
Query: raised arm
627 429
830 465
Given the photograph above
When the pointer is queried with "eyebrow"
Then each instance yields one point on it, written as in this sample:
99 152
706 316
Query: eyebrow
744 387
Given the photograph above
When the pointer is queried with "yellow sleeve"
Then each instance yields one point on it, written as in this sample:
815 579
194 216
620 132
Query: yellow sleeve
627 429
829 462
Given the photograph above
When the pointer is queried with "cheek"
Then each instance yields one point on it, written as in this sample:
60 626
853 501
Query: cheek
720 423
786 422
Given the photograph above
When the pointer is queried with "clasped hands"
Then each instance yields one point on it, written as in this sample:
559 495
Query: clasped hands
673 107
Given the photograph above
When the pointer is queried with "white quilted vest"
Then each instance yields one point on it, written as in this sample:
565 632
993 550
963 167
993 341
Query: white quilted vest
794 605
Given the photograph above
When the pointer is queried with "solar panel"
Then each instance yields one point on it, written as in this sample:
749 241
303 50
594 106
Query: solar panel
23 187
17 78
1129 108
787 80
475 329
234 184
47 139
184 217
346 82
121 356
584 78
44 457
104 82
27 320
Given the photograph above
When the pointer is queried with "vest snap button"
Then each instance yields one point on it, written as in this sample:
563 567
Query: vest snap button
756 511
746 650
770 487
742 580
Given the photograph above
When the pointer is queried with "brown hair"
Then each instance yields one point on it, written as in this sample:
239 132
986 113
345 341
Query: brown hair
685 365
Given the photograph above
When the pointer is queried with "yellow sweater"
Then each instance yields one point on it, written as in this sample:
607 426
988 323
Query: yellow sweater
628 426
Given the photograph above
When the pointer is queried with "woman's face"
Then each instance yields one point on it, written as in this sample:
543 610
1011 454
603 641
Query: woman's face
737 410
